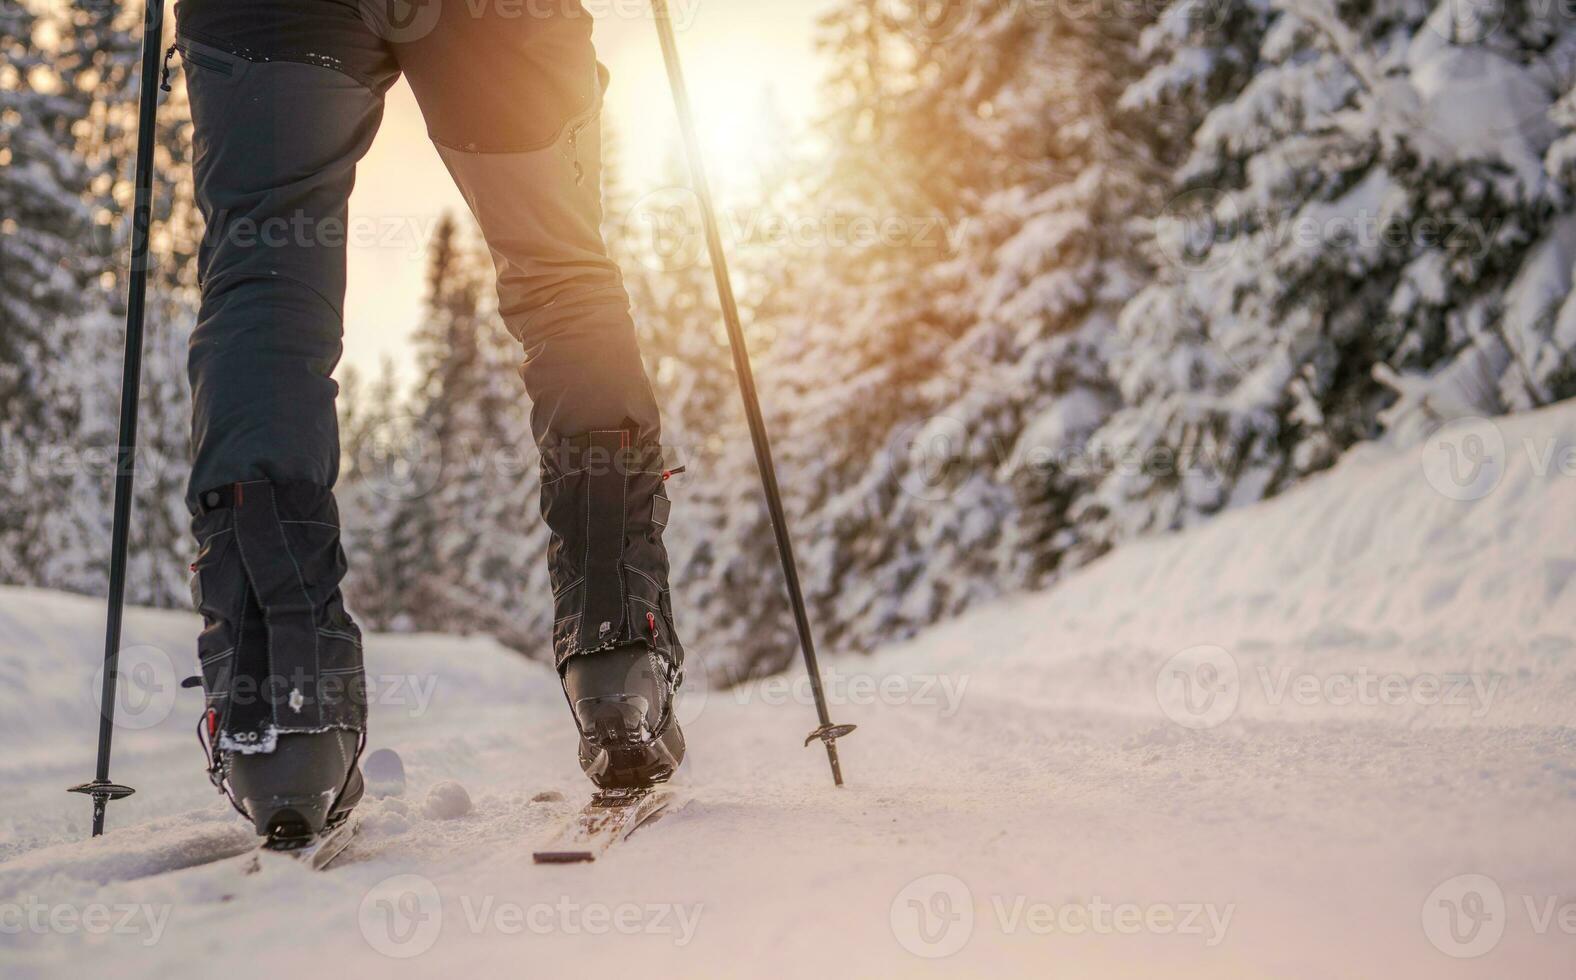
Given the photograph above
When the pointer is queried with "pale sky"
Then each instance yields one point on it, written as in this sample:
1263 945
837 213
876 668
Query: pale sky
736 53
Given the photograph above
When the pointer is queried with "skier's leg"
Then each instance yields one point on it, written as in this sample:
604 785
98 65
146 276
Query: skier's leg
514 104
286 96
277 136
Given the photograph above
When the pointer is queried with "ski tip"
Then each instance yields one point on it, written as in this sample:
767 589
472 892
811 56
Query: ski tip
564 857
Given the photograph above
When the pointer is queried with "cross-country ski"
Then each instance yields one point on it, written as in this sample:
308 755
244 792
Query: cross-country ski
611 817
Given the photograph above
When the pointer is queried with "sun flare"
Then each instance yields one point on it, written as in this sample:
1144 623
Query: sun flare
748 99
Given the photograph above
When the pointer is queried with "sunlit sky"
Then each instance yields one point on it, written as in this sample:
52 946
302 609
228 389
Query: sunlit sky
738 53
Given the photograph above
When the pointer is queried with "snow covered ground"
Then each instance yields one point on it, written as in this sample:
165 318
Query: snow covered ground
1330 735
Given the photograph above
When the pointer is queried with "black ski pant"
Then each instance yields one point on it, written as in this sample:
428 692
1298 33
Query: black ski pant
286 98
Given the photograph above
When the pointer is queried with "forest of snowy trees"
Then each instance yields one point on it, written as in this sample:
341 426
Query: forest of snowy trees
67 130
1137 263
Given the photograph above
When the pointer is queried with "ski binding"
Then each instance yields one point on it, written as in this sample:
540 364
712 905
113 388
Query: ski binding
316 852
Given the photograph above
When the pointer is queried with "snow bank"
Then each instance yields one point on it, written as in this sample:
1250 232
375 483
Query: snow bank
1461 544
1304 740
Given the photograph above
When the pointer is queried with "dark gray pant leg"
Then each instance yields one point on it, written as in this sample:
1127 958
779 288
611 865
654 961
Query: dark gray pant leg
560 294
286 97
513 103
514 106
593 410
276 146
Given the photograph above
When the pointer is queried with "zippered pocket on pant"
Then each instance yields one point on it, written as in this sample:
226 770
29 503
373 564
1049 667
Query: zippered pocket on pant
575 127
205 61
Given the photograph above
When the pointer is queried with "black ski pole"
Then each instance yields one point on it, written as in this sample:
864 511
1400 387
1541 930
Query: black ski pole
101 789
827 732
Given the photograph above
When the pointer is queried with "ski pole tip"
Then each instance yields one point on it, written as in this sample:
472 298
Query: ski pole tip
829 734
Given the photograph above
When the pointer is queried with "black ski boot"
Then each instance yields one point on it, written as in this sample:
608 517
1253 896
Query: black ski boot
308 785
604 496
623 704
281 659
